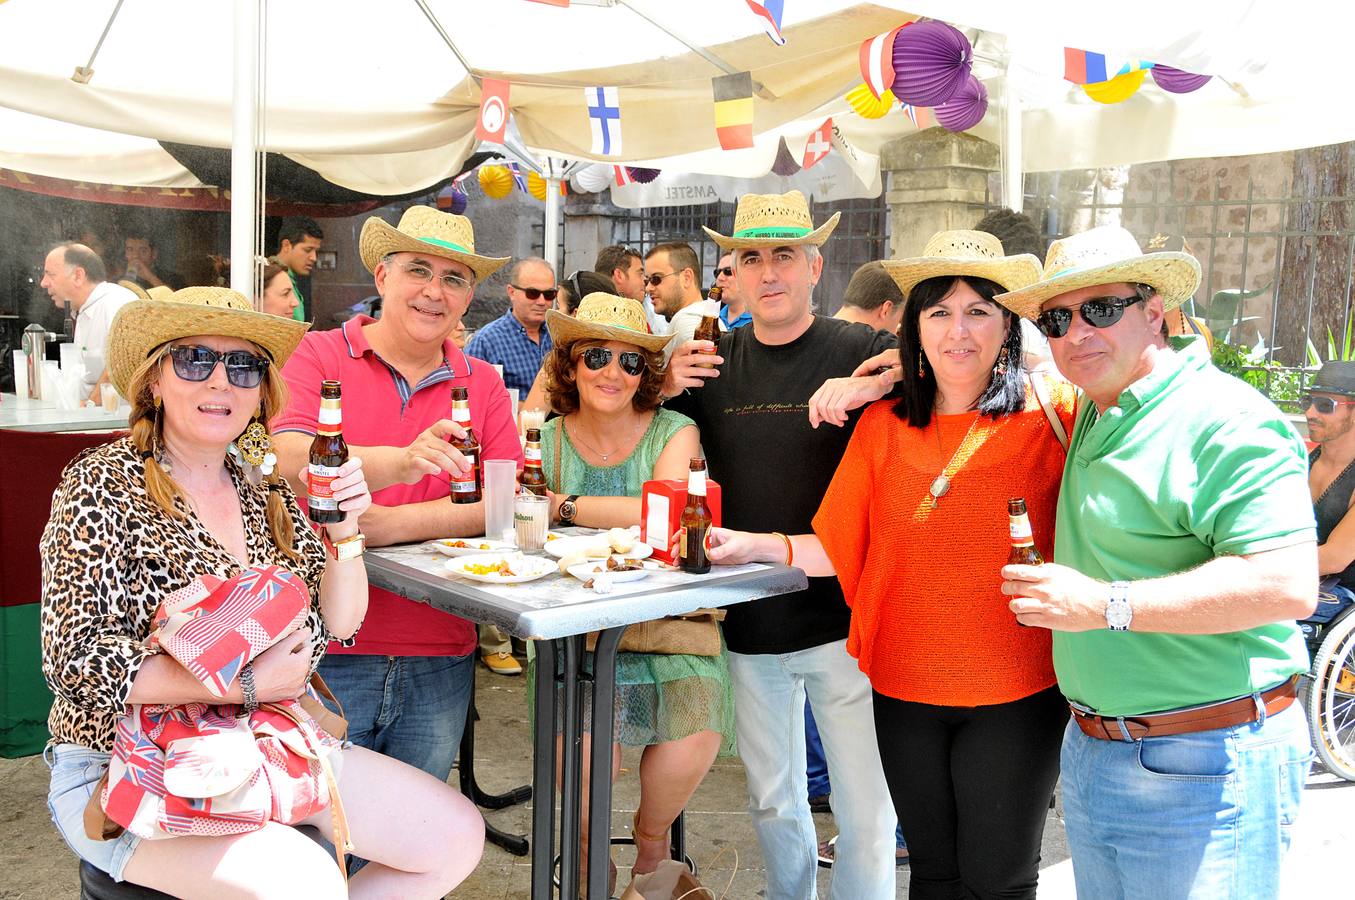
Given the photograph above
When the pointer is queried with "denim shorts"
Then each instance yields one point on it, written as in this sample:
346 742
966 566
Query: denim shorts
76 772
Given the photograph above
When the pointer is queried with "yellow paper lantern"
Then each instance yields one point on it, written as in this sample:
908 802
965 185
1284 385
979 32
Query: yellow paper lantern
496 181
867 105
536 186
1119 88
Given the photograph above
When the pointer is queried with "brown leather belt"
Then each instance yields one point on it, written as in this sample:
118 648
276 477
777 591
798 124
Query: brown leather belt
1224 714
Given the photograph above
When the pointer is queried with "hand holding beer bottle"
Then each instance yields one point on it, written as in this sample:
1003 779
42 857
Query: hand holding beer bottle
328 452
1023 552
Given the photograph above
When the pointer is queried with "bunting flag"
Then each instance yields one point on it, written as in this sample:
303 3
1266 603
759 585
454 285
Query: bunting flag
877 61
604 117
622 175
561 3
518 178
1084 67
733 109
819 145
921 116
771 11
493 120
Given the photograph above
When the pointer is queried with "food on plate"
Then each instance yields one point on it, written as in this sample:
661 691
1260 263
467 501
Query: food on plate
571 559
598 549
551 536
462 545
500 568
620 564
621 540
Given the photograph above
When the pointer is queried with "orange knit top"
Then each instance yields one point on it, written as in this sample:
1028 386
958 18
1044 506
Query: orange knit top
930 623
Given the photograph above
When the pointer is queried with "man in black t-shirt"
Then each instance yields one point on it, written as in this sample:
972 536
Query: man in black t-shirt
773 468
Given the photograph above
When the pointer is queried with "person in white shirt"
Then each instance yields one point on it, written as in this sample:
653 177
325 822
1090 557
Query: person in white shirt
872 298
75 277
673 282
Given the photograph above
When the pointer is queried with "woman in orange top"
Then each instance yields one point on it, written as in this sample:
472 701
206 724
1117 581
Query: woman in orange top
967 715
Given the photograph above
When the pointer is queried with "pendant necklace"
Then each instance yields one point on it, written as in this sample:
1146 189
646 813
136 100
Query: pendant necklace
942 483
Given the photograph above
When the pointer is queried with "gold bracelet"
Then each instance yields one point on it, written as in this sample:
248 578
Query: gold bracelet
790 551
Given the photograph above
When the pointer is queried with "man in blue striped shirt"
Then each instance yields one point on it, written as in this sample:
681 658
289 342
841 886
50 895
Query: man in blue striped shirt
517 340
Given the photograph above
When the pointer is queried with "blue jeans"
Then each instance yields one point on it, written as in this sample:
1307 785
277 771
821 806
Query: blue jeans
1203 815
816 768
411 708
769 700
76 772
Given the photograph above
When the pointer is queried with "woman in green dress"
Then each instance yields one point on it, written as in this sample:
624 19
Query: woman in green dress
603 377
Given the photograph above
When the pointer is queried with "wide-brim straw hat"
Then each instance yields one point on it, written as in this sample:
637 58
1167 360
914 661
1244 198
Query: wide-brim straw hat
605 317
423 229
159 292
773 220
974 253
143 325
1106 255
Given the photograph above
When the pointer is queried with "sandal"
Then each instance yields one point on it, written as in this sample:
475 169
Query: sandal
639 835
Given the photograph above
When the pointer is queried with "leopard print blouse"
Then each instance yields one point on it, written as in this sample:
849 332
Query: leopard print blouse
109 556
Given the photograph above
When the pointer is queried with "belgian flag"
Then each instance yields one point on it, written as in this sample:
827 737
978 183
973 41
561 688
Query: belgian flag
734 110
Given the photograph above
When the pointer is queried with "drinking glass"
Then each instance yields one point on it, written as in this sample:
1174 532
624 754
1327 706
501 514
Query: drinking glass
531 517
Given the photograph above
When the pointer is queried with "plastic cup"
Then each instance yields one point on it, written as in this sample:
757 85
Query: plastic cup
20 373
110 398
501 484
70 357
531 517
532 418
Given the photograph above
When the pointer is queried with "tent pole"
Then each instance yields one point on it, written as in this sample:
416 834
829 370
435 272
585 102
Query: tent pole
1013 188
551 250
243 206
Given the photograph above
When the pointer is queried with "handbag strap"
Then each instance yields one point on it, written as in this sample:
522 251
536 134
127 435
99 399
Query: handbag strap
556 466
342 837
1038 386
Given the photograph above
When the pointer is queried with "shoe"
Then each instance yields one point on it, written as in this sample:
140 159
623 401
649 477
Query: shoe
819 804
502 663
828 852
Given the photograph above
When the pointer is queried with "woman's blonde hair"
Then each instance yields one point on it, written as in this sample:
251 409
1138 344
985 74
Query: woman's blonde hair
147 434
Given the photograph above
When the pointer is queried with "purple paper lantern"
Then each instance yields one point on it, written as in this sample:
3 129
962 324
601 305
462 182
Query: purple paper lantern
966 108
1178 81
784 164
642 176
931 61
459 199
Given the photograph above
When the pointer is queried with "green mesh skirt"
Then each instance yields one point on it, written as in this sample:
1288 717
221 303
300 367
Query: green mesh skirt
660 697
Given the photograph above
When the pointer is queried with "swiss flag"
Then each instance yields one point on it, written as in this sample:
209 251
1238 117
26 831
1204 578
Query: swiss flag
493 120
819 145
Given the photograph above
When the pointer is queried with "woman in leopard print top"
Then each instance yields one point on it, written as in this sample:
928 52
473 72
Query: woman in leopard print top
140 518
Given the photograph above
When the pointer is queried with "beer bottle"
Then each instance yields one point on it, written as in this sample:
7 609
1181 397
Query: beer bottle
695 522
709 330
716 294
328 452
466 488
532 479
1023 541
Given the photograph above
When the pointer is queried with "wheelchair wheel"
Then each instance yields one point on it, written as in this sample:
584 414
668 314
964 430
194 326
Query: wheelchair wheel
1330 700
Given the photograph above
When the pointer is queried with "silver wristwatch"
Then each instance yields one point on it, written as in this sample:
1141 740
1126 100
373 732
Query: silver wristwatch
1118 611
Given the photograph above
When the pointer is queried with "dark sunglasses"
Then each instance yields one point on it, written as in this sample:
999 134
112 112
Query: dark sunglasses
656 280
534 293
726 271
195 363
1099 312
1325 405
631 362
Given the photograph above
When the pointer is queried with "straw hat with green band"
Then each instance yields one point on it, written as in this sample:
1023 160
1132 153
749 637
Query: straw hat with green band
973 253
773 220
142 325
423 229
605 317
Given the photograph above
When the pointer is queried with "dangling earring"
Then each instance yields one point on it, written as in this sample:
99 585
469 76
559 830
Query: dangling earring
1001 368
921 372
254 449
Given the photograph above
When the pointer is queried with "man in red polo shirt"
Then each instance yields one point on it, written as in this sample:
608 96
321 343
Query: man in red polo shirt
406 681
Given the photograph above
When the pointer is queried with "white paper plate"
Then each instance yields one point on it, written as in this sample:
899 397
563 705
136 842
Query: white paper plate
476 546
585 571
529 568
577 543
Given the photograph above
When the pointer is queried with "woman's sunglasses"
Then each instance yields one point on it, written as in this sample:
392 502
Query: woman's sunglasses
1325 405
1099 312
196 363
631 362
535 293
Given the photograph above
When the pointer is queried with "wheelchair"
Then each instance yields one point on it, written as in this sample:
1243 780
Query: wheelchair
1328 691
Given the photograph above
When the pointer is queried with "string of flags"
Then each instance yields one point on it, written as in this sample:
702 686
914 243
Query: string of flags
771 11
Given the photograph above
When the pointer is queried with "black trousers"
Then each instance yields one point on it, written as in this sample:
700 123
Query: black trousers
971 788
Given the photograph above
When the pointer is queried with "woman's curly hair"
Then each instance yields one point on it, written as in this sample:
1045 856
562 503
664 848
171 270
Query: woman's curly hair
563 390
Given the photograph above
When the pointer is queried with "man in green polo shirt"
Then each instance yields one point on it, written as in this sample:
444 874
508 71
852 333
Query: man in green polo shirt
299 241
1184 550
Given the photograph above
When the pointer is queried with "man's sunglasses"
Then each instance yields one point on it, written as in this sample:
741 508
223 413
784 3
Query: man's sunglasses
1325 405
726 271
1099 312
534 293
656 280
195 363
631 362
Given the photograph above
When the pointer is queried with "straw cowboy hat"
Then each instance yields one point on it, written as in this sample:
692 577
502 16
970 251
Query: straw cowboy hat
143 325
773 220
159 292
1106 255
605 317
974 253
423 229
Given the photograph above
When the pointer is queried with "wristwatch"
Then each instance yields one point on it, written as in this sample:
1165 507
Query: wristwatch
569 509
347 548
1118 611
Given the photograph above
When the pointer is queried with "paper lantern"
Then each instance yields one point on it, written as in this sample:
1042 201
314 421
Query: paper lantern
1178 81
536 186
592 179
784 164
931 61
458 201
966 108
1119 88
642 176
866 105
496 181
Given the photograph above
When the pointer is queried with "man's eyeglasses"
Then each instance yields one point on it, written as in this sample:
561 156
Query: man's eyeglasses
656 280
725 271
196 363
535 293
1098 312
1324 405
451 283
632 362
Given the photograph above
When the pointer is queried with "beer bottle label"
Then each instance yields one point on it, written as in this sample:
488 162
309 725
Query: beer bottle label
319 490
1019 527
464 482
532 454
330 414
696 483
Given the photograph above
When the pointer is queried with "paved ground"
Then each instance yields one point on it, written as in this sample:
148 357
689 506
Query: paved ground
35 864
